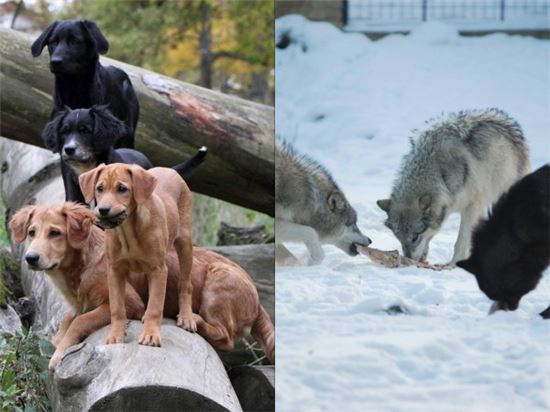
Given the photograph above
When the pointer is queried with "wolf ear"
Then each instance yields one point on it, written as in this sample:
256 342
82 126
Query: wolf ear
19 223
384 204
88 181
79 223
38 45
143 184
468 265
50 134
99 40
336 202
425 202
107 128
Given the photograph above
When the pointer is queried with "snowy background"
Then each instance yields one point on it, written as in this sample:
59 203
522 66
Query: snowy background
350 103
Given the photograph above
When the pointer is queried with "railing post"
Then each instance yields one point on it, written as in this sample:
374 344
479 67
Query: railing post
344 13
425 10
502 8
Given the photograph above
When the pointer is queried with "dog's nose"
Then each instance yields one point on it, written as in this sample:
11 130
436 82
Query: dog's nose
104 210
56 62
69 150
32 258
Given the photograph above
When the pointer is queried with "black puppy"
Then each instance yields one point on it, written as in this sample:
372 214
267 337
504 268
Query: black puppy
80 80
511 249
86 138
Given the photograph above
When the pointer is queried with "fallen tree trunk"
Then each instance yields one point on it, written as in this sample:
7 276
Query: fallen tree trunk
175 119
162 377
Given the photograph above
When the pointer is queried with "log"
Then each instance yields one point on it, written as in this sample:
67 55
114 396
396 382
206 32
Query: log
175 119
255 387
164 376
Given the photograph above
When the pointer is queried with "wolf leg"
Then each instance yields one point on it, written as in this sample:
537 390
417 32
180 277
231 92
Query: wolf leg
468 220
293 232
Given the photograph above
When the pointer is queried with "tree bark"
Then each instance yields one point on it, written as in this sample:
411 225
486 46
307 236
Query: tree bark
176 118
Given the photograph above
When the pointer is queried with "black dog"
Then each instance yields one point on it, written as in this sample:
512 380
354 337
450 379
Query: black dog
511 249
86 138
80 80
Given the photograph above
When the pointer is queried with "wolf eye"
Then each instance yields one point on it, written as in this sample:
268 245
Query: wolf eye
54 233
415 237
122 189
99 189
32 233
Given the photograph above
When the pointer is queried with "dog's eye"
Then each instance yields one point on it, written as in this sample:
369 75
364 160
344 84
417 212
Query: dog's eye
32 233
54 233
64 130
99 189
122 189
82 129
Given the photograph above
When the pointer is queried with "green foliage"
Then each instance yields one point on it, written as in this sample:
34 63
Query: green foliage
4 239
23 371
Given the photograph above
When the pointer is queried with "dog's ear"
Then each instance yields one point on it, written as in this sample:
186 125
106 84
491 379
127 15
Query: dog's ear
468 265
88 181
99 40
19 223
50 134
143 184
336 202
40 43
79 223
108 129
384 204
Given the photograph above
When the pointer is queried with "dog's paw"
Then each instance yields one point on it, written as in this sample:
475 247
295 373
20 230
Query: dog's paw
54 361
114 338
150 336
187 322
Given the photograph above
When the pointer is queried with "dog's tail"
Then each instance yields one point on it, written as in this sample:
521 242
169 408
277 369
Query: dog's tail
187 168
264 333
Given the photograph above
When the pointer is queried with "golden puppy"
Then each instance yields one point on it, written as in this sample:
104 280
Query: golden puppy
63 241
145 213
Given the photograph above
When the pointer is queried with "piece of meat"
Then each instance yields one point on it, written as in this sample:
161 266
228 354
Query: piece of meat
392 259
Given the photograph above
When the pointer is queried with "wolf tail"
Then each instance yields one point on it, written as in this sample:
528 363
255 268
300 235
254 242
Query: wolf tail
264 333
187 168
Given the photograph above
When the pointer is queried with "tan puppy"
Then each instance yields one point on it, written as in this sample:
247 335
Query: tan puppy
63 241
145 213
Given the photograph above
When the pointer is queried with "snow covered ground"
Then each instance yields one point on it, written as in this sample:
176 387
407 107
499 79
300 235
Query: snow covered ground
350 103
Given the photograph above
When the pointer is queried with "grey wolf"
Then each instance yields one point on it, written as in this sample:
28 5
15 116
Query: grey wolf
80 80
145 214
85 138
63 241
311 208
461 163
511 249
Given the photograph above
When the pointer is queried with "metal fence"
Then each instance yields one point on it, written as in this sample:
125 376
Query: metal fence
359 12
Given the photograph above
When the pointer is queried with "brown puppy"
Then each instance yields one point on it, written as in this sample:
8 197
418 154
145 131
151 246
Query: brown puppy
145 213
63 241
